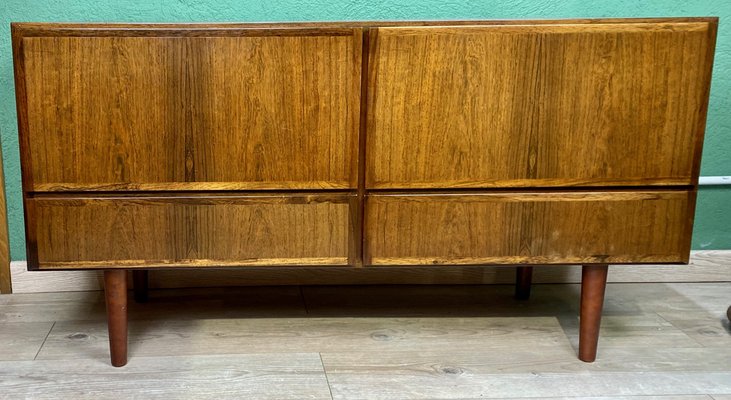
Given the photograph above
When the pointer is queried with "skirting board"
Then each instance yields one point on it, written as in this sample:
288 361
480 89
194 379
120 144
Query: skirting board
705 266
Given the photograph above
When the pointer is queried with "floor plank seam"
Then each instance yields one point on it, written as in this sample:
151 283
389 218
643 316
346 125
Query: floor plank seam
44 341
681 330
327 379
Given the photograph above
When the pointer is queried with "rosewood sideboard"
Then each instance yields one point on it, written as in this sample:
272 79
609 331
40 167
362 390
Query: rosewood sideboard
362 144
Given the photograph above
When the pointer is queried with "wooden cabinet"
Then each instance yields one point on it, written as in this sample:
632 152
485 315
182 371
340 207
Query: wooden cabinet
361 144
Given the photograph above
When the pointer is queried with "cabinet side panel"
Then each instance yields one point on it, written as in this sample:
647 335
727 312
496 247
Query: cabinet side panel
548 105
544 228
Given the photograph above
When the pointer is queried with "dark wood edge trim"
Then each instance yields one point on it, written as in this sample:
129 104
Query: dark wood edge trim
688 229
497 184
703 110
368 102
190 185
26 164
21 103
430 263
193 199
354 254
177 265
179 30
588 191
31 241
362 134
171 266
532 189
41 28
193 194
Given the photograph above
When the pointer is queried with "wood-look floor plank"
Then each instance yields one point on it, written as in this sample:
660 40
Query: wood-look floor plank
528 360
251 376
707 329
53 306
639 298
458 384
83 339
22 340
680 397
638 331
714 298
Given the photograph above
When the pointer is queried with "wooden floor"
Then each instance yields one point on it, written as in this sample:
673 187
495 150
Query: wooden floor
658 341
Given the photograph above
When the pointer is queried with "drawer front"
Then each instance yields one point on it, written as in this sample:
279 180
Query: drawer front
248 111
189 231
531 106
529 228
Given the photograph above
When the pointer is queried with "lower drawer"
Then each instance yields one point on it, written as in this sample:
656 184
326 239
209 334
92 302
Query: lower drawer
189 231
529 228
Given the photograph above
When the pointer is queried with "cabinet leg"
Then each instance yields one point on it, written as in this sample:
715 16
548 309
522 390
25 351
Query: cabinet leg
593 283
115 292
140 285
523 279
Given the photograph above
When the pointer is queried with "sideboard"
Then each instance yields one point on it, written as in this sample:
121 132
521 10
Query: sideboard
362 144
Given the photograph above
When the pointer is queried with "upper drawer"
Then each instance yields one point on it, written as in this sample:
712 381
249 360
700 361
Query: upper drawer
538 105
188 110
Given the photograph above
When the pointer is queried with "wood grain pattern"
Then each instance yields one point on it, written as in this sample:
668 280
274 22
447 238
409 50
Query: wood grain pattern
544 105
250 376
517 228
308 334
192 231
279 109
162 113
103 110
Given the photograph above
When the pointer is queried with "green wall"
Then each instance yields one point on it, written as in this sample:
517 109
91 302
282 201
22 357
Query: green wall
713 218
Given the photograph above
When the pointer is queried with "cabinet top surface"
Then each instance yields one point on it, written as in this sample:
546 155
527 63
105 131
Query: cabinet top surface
44 28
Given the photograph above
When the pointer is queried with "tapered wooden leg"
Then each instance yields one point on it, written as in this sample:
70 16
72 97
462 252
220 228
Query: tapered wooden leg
523 278
593 283
140 284
115 291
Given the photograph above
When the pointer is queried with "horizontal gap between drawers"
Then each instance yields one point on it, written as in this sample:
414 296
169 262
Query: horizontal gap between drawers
337 192
559 189
193 194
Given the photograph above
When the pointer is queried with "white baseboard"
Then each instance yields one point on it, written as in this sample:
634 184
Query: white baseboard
705 266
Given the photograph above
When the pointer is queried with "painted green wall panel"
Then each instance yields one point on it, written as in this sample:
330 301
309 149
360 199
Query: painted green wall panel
713 219
712 230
